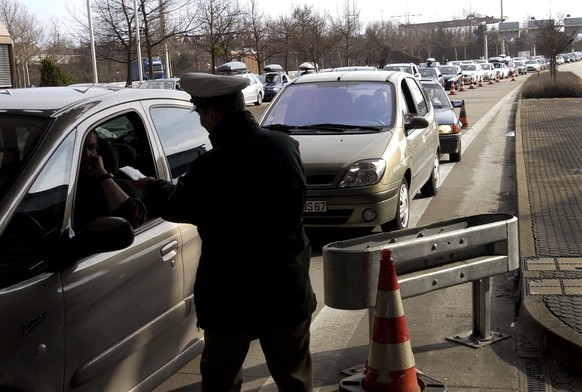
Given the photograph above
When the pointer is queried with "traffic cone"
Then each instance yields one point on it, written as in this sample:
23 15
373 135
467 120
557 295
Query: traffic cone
390 366
513 76
472 85
462 87
480 82
463 116
491 80
452 90
497 79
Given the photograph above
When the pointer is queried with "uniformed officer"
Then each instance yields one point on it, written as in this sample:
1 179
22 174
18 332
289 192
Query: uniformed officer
246 195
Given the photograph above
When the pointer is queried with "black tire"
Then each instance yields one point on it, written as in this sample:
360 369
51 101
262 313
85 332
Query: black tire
455 156
259 100
431 187
402 216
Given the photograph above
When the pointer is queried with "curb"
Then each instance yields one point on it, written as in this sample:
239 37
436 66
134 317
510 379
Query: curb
552 338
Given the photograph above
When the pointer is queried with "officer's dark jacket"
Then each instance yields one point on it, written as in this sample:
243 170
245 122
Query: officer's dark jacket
246 196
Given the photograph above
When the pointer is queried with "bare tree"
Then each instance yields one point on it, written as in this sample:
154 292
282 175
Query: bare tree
551 40
281 32
380 40
255 34
219 25
348 27
26 32
311 34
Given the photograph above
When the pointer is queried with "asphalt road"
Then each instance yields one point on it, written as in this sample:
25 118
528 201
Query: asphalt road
481 183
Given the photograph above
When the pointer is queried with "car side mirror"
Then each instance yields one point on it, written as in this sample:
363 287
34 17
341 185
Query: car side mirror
104 234
416 122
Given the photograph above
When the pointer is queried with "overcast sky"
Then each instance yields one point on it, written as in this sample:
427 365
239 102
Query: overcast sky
376 10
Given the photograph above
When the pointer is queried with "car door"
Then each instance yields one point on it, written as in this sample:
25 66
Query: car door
182 139
422 143
124 308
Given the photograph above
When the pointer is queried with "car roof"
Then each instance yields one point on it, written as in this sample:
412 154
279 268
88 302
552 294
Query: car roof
360 76
162 80
400 64
355 68
48 101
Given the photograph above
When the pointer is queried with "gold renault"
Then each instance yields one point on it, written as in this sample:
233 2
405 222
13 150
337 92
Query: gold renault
369 143
103 307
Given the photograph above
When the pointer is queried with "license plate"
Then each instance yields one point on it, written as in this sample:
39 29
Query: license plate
315 206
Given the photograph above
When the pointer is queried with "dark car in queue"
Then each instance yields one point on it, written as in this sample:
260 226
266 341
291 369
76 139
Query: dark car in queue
452 74
273 82
101 307
432 73
369 143
449 125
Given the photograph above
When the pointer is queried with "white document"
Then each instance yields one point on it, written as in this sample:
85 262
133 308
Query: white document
132 172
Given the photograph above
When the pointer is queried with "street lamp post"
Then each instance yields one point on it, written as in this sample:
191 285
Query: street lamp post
138 42
92 41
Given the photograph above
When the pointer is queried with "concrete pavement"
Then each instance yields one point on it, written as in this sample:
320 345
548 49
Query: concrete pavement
549 204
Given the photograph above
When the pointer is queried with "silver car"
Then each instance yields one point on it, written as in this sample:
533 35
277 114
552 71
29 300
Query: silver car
108 308
255 91
368 140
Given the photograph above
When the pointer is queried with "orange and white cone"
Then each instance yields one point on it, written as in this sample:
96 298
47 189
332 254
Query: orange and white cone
463 116
390 366
452 90
462 88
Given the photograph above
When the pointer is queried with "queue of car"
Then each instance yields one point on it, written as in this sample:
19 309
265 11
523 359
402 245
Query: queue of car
370 141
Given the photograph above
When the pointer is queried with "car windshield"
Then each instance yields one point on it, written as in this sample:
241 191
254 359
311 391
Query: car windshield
448 70
165 84
19 136
401 68
428 72
468 67
437 95
273 78
348 104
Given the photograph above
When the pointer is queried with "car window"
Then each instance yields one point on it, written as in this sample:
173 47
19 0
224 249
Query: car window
125 150
183 137
417 98
19 136
38 218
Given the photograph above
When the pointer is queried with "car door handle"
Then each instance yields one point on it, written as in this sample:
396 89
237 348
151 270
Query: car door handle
169 252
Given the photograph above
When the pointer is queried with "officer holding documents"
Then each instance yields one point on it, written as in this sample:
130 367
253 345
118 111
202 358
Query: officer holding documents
246 196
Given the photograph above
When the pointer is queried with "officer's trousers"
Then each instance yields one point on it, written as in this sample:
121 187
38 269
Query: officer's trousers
286 352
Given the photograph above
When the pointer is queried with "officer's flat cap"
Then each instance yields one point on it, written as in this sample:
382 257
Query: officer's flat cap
204 87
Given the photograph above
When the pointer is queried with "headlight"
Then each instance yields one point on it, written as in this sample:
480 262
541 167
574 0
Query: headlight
448 129
363 173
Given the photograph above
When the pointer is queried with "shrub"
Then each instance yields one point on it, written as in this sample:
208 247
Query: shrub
52 75
542 85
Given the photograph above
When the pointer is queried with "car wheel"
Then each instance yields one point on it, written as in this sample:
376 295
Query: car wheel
456 156
259 99
402 210
431 187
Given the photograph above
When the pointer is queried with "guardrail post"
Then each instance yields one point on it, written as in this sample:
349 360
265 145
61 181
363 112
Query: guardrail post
482 309
481 335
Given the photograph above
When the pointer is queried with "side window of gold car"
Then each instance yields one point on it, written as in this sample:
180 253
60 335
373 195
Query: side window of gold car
38 220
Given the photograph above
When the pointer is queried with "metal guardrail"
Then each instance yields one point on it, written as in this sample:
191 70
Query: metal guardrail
427 258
